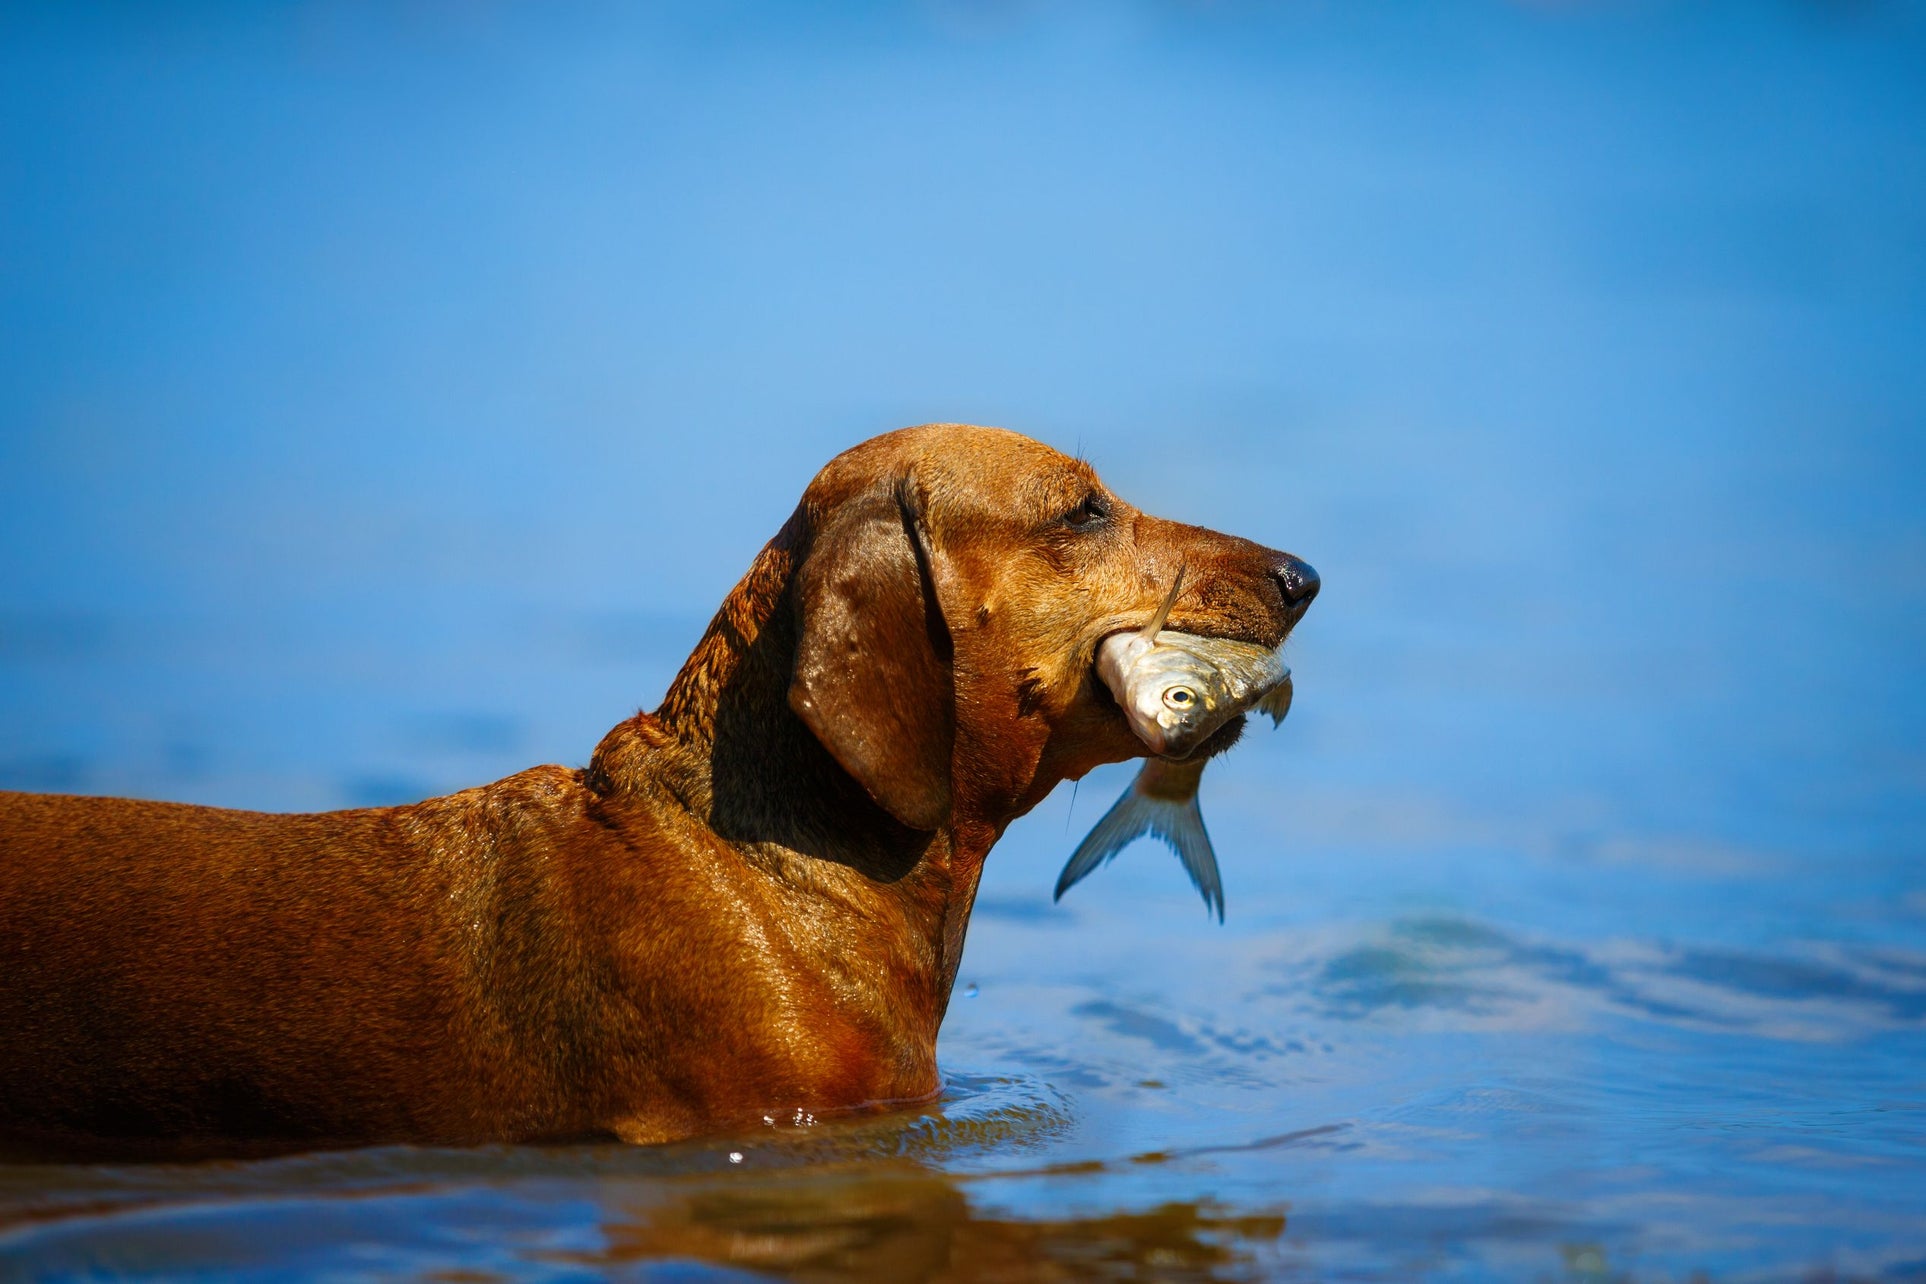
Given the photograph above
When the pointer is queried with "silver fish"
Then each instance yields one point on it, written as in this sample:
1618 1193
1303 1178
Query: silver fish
1176 690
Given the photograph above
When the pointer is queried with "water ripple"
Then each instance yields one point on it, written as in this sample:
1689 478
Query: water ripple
1478 975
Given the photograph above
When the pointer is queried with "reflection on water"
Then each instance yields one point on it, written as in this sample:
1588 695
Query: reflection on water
863 1198
887 1221
391 393
907 1227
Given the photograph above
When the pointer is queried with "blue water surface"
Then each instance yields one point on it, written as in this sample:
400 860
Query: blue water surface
389 392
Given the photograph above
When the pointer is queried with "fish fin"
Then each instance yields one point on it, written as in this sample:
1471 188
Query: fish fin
1156 624
1277 701
1134 814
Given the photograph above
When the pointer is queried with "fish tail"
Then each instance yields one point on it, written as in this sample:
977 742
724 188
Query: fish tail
1180 823
1125 822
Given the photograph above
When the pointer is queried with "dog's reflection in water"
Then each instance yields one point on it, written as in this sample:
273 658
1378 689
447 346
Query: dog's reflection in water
912 1224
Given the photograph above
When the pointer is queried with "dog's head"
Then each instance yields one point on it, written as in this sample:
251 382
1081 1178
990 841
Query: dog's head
954 587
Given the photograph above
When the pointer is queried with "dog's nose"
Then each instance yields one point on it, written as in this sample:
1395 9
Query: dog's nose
1297 578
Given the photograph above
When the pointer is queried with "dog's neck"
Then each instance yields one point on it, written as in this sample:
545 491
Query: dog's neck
726 746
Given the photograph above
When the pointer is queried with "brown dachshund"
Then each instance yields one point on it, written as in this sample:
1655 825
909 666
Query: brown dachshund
751 902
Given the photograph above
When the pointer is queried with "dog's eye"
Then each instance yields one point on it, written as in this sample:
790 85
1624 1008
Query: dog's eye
1090 512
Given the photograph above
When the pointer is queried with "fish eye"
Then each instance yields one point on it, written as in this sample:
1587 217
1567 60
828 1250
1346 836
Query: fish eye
1180 697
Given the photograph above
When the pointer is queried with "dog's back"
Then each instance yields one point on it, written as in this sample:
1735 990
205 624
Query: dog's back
174 972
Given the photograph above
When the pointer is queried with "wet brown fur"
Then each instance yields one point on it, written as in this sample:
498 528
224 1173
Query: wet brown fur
751 902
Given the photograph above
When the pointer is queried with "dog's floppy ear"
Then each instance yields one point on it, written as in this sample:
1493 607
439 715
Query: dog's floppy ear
872 677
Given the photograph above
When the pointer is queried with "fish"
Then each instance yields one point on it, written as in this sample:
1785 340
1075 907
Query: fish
1177 690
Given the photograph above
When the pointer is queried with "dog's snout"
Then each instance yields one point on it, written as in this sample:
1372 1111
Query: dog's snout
1297 578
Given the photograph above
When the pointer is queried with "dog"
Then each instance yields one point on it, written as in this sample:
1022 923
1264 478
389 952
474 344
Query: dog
751 902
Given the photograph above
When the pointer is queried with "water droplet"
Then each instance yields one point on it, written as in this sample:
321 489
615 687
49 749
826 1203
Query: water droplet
970 992
735 1156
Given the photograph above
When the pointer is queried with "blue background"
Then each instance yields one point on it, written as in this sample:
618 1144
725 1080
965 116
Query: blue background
389 392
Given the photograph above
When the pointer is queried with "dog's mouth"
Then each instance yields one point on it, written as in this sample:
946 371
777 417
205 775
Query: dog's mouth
1219 740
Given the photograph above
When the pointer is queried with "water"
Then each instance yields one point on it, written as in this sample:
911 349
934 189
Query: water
389 395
